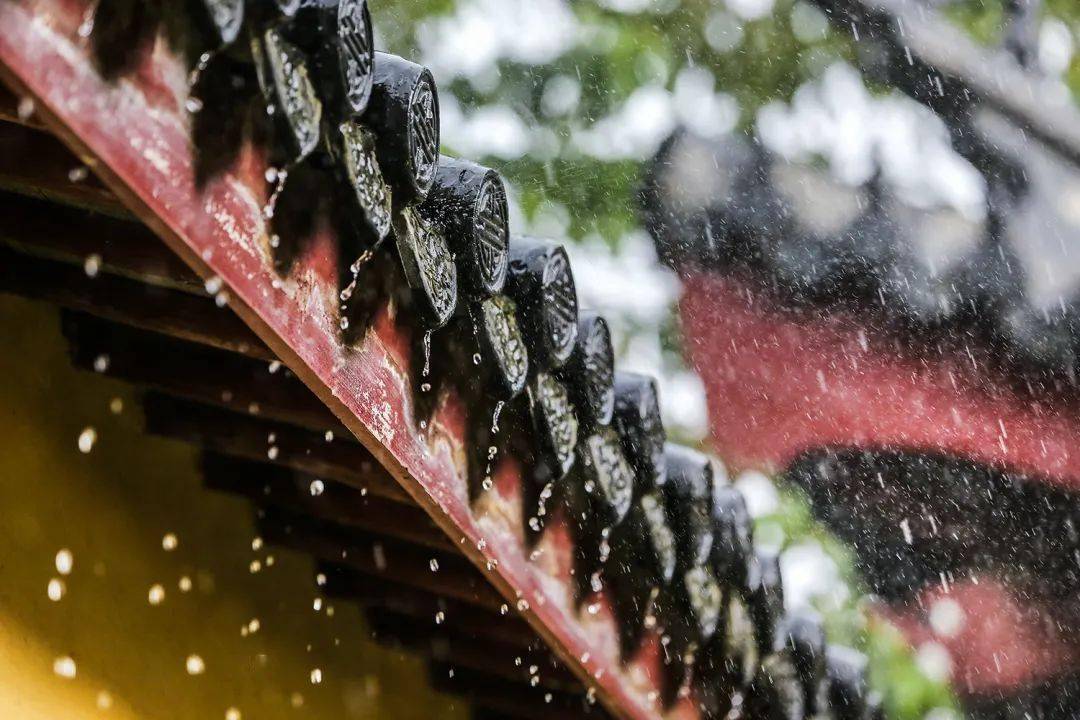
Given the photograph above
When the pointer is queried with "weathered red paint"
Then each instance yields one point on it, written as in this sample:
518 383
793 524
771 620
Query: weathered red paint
135 134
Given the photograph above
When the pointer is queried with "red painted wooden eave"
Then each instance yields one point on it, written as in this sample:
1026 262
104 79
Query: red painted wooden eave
134 133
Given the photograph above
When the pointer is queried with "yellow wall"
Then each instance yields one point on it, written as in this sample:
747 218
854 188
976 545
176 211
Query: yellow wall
111 509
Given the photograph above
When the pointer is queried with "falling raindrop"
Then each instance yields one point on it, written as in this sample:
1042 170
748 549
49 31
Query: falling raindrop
101 363
316 676
185 584
947 617
156 596
232 714
434 565
56 589
87 438
169 542
349 289
104 700
26 108
440 617
78 174
65 667
92 265
427 354
194 665
317 487
365 257
197 71
279 186
65 561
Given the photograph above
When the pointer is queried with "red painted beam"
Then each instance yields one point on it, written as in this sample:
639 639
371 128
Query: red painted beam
1000 643
782 381
135 135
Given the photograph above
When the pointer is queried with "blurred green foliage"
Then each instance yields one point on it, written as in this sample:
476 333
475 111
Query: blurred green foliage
627 50
637 48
